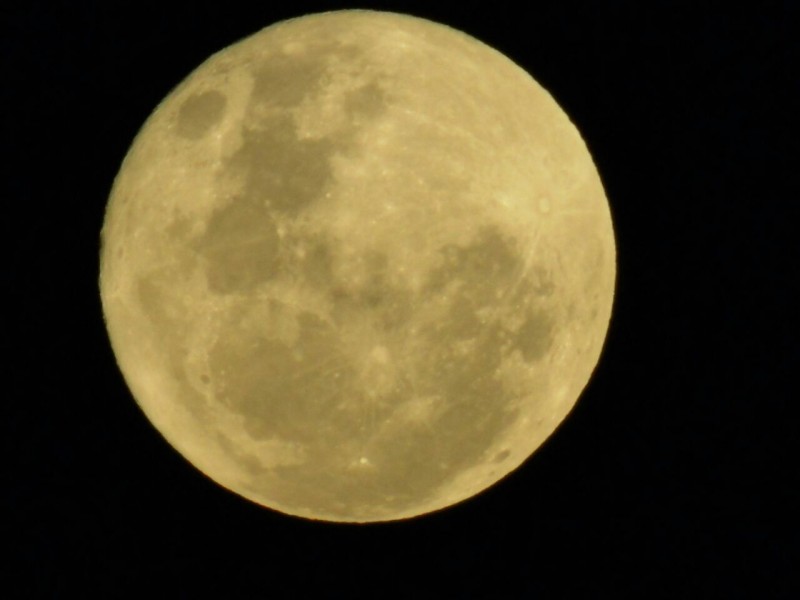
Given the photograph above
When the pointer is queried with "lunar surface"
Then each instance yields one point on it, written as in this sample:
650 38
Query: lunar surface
357 267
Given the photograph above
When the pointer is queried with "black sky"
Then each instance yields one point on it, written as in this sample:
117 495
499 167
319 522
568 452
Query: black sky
674 477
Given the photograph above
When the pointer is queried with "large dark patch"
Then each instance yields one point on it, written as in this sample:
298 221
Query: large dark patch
281 170
282 391
199 113
387 305
483 269
240 245
284 81
535 336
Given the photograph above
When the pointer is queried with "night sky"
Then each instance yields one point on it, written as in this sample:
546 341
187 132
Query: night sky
674 476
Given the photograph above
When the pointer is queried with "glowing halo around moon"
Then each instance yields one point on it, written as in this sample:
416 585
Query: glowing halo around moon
357 267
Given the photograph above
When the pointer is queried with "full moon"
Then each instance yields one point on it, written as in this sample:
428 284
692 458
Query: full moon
357 267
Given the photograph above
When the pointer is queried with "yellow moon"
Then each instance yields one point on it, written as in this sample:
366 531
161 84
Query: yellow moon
357 267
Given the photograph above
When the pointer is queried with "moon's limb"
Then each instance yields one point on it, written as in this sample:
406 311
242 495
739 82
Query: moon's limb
357 267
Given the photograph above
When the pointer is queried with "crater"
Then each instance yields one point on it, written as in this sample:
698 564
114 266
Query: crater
199 113
240 246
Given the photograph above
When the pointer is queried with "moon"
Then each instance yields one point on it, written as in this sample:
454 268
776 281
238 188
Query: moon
357 267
